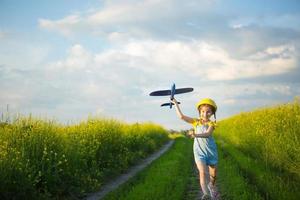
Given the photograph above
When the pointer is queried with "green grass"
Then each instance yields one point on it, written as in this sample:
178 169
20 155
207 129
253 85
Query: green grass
259 158
193 187
268 184
264 147
166 178
232 183
41 159
270 135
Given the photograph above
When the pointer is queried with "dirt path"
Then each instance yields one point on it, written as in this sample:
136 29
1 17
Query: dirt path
113 184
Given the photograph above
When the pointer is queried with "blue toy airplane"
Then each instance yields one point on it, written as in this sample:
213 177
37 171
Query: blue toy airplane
171 92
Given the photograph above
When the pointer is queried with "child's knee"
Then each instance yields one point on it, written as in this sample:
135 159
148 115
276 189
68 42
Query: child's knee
202 173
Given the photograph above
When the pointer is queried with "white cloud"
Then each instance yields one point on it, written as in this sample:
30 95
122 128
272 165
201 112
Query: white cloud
237 26
64 26
16 53
208 61
229 93
252 89
271 61
282 51
196 59
116 81
137 18
286 20
124 12
233 98
16 99
78 58
110 77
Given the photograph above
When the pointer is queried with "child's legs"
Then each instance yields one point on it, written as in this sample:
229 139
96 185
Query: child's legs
202 176
212 173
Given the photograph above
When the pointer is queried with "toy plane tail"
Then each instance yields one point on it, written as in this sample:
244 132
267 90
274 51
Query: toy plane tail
168 104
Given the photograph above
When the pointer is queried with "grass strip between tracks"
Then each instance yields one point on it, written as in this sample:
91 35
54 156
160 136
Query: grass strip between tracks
232 182
165 178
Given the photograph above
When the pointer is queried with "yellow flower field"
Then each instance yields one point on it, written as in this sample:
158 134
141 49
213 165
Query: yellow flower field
44 159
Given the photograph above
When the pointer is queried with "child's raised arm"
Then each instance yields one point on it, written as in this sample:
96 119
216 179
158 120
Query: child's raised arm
180 114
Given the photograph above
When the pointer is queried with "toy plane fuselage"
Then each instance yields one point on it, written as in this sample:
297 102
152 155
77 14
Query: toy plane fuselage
171 92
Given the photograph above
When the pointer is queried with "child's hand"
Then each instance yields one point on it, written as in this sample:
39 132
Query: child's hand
174 101
191 133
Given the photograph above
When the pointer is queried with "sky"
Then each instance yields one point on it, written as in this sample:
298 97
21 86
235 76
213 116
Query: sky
68 60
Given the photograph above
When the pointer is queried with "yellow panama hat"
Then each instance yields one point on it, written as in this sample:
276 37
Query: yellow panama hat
208 102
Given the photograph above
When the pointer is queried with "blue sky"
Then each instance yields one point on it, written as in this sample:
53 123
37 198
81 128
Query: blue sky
71 59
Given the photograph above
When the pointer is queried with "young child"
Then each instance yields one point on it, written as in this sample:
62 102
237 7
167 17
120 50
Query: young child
205 149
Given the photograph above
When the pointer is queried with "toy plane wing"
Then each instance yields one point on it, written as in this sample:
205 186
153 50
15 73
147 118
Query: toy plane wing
168 92
183 90
161 93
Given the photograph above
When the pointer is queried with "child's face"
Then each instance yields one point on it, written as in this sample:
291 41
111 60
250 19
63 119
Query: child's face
205 112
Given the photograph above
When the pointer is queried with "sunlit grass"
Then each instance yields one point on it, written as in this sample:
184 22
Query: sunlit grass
166 178
44 159
265 145
233 184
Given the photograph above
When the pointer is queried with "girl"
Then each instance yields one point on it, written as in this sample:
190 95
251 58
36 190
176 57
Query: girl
205 149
